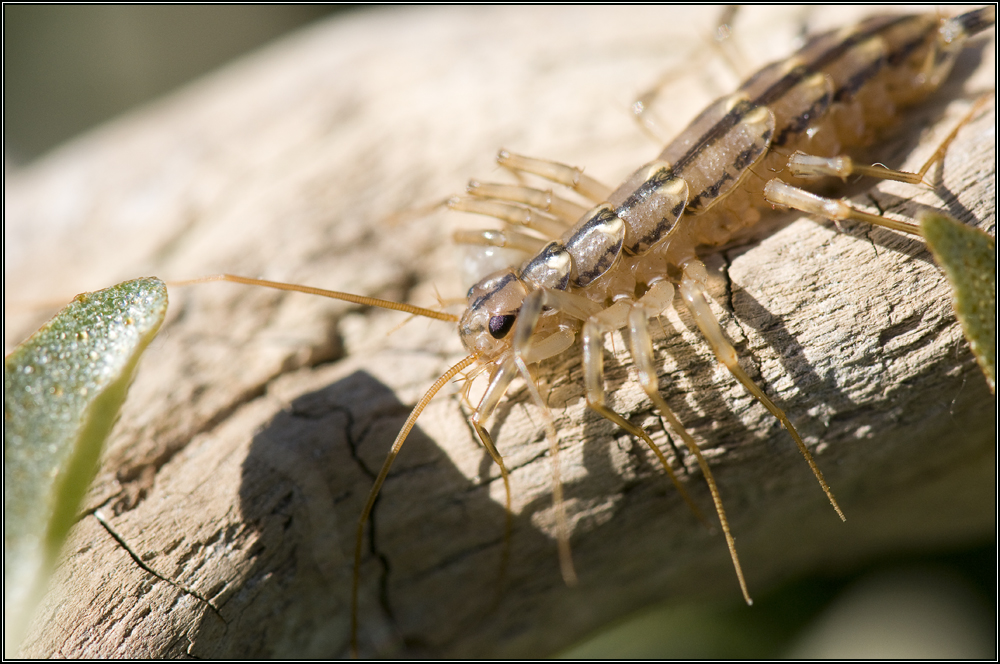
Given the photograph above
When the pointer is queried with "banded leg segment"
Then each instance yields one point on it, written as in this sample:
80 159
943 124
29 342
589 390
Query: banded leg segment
515 215
539 199
568 176
812 167
777 192
509 239
500 381
593 366
539 210
641 346
696 298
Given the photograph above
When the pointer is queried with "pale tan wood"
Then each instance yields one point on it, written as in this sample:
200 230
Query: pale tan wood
252 433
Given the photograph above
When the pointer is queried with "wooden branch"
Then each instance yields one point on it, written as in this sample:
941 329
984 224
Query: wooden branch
232 485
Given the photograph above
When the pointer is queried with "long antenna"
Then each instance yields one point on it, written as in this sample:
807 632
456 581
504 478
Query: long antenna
336 295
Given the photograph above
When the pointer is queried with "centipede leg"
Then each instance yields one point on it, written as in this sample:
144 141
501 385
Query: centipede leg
499 382
510 213
543 211
780 193
642 353
539 199
812 167
568 176
696 298
506 239
528 320
718 42
593 365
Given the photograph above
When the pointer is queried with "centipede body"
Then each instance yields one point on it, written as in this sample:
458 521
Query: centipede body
716 408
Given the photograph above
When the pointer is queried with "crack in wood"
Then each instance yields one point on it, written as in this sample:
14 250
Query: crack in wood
139 561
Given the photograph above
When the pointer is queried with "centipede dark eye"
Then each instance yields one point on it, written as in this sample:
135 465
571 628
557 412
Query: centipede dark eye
500 325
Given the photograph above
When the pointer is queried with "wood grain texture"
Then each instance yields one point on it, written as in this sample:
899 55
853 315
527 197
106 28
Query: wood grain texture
258 420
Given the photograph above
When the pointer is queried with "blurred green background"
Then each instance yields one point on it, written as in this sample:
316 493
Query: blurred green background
921 606
69 68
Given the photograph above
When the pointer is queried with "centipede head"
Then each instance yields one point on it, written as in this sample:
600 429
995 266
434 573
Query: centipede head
494 303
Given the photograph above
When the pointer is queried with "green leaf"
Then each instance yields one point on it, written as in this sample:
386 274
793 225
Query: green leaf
969 258
63 388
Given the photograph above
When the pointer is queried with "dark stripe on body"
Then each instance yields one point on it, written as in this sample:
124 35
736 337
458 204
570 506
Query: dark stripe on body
482 298
664 226
648 187
798 124
866 30
790 80
602 263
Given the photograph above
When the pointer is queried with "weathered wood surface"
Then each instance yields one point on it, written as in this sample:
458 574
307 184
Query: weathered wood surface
252 433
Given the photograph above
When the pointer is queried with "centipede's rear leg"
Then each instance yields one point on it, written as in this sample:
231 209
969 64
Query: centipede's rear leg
806 166
951 36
